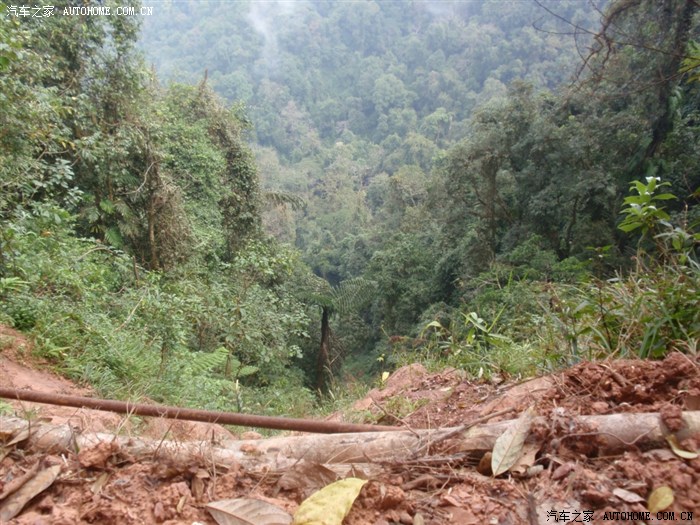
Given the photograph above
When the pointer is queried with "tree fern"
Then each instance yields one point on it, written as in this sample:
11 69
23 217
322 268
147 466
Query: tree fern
351 294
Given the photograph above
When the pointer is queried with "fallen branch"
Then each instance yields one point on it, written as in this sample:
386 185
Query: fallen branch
189 414
607 432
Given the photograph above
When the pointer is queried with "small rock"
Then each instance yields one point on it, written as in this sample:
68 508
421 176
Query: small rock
596 497
672 416
599 407
562 471
159 512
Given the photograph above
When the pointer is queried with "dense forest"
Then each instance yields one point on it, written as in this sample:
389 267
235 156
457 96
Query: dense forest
235 205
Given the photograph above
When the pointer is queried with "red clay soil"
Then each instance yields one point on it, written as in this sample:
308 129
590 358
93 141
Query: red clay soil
565 477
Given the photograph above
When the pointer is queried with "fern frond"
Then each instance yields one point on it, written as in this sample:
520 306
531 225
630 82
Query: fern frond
352 293
205 362
114 237
277 198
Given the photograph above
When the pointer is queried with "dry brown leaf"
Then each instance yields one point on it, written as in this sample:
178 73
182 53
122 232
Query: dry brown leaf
509 445
99 483
247 511
307 477
22 435
16 483
678 450
628 496
661 498
14 504
526 459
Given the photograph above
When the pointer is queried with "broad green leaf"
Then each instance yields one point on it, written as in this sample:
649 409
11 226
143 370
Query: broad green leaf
509 446
627 227
331 504
661 498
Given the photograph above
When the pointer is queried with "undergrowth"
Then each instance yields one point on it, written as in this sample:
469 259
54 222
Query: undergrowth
513 324
224 342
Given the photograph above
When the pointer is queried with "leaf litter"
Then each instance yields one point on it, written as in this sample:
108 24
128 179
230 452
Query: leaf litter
558 467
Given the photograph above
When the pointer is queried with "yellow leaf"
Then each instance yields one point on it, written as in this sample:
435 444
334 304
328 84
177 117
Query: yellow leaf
677 450
661 498
385 376
330 505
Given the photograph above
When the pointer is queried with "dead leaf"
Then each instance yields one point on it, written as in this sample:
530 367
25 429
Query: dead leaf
628 496
307 477
509 445
526 459
14 504
331 504
22 435
99 483
661 498
16 483
677 450
247 511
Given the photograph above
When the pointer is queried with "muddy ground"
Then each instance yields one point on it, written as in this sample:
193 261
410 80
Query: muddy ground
566 478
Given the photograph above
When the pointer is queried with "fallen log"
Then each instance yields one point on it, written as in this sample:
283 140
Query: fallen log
189 414
607 432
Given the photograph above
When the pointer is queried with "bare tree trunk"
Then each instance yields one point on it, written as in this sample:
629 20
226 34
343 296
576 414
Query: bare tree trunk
606 434
323 362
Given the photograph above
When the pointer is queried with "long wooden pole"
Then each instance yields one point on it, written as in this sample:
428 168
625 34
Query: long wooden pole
207 416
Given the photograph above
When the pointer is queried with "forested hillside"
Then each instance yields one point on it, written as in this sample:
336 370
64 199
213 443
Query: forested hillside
456 153
300 194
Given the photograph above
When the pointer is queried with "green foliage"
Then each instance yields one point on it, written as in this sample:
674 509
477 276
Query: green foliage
691 63
642 211
652 310
442 202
